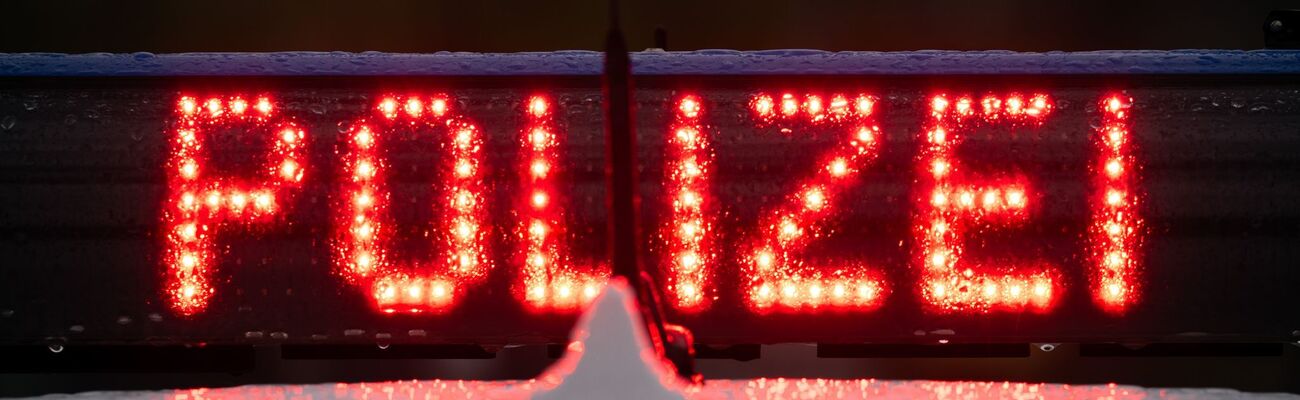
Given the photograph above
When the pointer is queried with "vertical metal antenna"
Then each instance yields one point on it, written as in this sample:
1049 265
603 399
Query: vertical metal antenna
621 178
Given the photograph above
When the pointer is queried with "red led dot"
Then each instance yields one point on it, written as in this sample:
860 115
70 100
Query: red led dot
689 107
764 107
188 105
238 106
863 106
839 107
414 107
438 106
939 104
388 107
214 107
789 106
815 107
263 105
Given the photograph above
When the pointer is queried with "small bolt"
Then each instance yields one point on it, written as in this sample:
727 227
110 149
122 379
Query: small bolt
1047 347
1275 26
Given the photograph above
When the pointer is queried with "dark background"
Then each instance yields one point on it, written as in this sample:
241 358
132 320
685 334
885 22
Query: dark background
507 26
503 26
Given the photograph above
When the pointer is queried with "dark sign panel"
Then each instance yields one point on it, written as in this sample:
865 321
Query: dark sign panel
857 208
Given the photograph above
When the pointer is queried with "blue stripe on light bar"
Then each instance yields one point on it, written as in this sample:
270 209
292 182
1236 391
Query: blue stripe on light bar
703 62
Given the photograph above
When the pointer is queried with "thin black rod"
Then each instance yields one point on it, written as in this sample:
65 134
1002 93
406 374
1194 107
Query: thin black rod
621 176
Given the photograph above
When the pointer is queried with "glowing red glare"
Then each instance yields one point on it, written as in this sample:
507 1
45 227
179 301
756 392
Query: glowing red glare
414 107
537 229
689 261
1015 198
966 199
214 199
464 168
764 259
939 104
839 106
262 201
865 135
238 106
689 107
214 107
539 199
1015 105
689 199
189 169
238 200
537 106
288 136
465 138
814 199
964 106
263 105
438 106
188 232
815 107
1039 104
365 170
188 105
364 200
691 168
938 136
1114 198
839 167
992 106
190 254
789 106
388 107
540 138
864 106
538 168
364 138
1114 168
939 199
1114 105
991 199
1115 136
764 106
939 168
